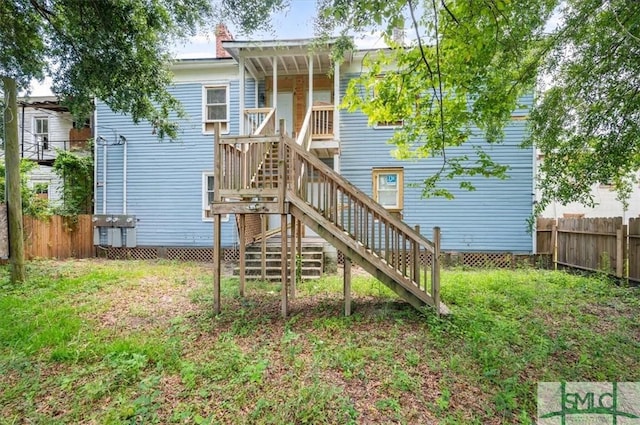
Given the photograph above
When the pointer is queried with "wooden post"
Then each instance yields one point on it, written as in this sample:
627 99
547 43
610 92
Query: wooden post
347 286
242 229
293 261
415 264
283 263
263 247
217 160
282 170
554 244
435 270
621 238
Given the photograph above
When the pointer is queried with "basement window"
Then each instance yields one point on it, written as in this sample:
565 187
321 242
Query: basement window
207 198
388 188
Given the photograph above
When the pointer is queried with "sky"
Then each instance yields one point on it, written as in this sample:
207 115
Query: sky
294 22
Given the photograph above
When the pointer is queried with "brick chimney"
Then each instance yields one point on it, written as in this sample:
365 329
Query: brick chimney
222 34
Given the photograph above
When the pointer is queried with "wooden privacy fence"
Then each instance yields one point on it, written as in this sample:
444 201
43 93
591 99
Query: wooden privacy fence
59 237
594 244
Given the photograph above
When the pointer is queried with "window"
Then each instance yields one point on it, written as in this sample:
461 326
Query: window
41 190
41 131
215 108
388 184
207 198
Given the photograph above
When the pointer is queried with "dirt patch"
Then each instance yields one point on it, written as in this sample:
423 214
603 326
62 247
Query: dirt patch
150 303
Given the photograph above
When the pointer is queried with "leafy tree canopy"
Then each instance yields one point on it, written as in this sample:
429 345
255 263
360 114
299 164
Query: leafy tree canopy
116 50
469 63
587 124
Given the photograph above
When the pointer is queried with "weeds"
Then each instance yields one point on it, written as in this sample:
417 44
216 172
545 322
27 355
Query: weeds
122 342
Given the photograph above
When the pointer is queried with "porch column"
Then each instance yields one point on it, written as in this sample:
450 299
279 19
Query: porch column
310 102
274 104
242 93
336 101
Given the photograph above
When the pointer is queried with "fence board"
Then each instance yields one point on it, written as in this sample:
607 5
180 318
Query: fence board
544 235
590 244
634 249
58 237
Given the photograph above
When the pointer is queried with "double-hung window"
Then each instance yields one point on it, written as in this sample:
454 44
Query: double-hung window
215 108
207 198
388 187
41 131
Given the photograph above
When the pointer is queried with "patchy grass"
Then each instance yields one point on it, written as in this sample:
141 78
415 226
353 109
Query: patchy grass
136 342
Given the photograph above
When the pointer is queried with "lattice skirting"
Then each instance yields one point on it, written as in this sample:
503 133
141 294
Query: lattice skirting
201 255
232 255
480 259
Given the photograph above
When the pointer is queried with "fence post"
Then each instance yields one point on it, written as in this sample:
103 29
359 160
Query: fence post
554 245
621 238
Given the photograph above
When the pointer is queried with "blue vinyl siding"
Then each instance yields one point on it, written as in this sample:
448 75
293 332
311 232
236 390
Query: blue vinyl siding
164 178
492 218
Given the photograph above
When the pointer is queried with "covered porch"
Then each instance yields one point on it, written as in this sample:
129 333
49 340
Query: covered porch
299 80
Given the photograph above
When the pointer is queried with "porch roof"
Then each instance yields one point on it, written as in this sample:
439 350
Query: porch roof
292 56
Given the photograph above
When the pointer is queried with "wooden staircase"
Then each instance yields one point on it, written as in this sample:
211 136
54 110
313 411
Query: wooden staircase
287 179
308 266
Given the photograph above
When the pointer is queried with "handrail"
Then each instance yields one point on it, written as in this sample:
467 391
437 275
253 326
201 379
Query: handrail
257 118
348 187
362 224
268 124
304 138
242 157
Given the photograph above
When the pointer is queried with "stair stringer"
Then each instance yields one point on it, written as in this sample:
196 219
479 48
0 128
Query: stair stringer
403 287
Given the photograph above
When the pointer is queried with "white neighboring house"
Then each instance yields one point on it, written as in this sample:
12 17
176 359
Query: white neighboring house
607 204
45 125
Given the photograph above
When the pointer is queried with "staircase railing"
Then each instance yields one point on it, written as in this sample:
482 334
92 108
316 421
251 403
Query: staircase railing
242 158
257 119
304 136
365 221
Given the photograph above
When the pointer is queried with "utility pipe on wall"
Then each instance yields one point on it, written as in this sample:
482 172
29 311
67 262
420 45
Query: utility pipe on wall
104 177
124 175
95 153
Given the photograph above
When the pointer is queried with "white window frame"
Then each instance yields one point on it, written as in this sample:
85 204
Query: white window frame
399 172
205 198
226 123
45 144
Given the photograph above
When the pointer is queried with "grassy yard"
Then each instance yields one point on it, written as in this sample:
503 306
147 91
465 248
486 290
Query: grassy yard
136 342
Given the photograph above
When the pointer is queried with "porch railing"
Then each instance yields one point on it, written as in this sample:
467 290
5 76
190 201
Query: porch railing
322 121
257 119
244 161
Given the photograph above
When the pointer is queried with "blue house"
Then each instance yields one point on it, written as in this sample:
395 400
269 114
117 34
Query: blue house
168 186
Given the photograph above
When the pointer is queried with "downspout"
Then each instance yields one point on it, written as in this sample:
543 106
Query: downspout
124 178
22 141
95 153
104 178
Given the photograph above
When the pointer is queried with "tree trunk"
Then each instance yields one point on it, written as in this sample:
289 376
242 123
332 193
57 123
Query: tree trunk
13 193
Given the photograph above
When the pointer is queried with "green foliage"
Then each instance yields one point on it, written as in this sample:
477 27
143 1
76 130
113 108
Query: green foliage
76 172
467 68
32 204
115 351
588 121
